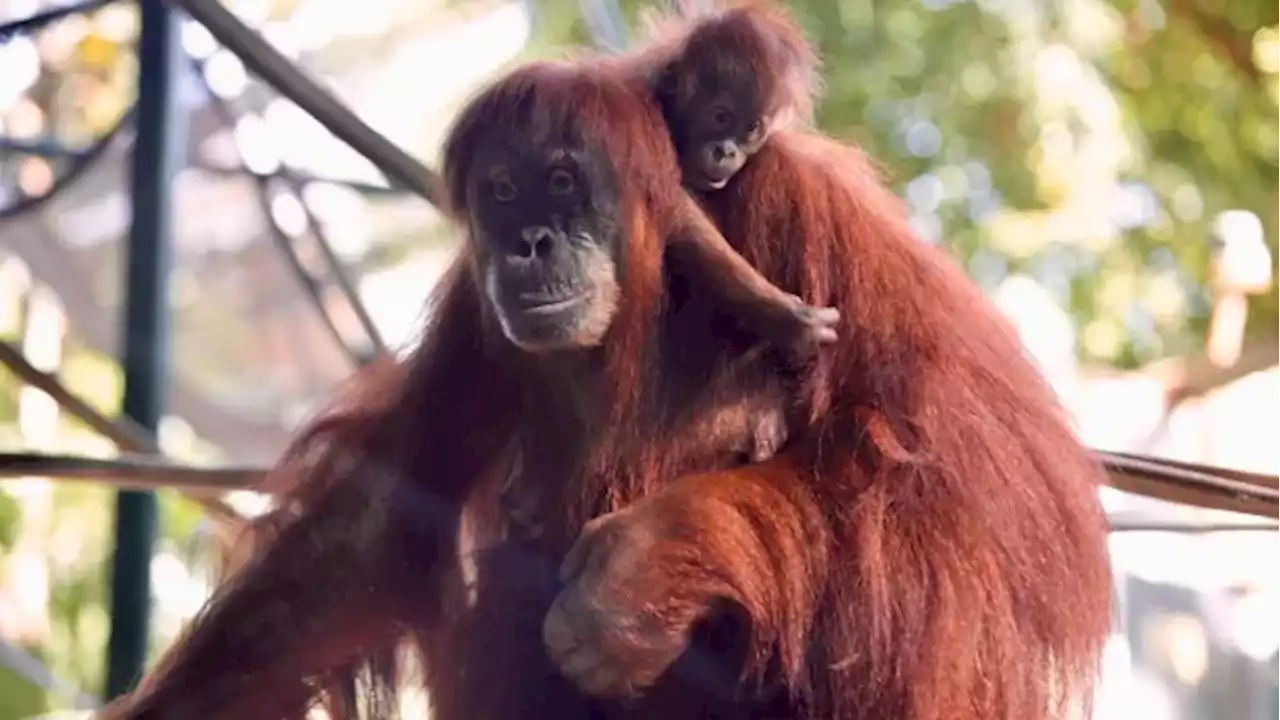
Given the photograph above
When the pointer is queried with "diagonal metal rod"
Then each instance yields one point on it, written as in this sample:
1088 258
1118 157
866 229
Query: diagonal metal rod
338 272
41 19
310 284
1267 483
267 63
80 164
1176 482
364 188
126 434
33 670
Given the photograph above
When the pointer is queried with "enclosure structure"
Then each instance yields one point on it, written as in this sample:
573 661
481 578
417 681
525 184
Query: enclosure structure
338 336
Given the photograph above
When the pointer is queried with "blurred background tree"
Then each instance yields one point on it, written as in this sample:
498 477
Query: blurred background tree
1088 144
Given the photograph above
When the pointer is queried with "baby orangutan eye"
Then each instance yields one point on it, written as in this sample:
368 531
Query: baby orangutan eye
722 117
754 127
503 189
560 182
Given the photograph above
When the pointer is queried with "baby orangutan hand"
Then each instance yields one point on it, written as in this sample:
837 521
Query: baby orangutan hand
802 328
631 600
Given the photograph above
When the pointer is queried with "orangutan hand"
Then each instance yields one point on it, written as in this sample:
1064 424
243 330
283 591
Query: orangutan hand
631 599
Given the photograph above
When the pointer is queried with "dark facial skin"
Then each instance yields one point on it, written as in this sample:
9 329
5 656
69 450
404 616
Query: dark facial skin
716 133
544 225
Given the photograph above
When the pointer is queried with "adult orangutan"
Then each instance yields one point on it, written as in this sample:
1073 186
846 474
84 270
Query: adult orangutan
928 545
362 550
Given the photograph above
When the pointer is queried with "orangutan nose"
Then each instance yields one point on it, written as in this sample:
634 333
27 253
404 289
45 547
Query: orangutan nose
536 242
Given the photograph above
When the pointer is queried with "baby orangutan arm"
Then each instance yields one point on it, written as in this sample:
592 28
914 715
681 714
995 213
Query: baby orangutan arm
779 317
752 540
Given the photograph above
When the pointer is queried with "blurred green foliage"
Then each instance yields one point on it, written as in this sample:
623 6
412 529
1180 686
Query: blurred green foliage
1087 143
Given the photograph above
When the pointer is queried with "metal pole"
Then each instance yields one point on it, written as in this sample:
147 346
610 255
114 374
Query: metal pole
159 141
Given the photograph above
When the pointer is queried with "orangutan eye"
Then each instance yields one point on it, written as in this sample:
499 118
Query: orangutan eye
722 117
754 126
503 189
560 182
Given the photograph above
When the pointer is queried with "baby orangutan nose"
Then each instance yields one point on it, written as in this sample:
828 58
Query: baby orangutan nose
724 158
537 241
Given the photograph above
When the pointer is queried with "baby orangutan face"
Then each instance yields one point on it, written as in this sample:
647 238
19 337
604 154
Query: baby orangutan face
717 131
738 76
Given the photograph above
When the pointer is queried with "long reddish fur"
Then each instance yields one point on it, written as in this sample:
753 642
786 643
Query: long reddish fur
929 547
975 581
973 578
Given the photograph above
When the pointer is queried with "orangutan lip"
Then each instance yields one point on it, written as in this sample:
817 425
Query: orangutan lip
542 305
706 180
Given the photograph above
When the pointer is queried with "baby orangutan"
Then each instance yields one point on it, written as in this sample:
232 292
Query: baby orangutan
736 77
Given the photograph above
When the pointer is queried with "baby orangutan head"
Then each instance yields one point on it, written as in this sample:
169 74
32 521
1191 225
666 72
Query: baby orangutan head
739 75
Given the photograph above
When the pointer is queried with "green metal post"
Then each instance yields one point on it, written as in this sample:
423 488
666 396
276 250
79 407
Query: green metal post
157 155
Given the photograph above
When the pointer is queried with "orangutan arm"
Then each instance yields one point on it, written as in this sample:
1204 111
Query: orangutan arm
779 317
359 543
307 602
752 538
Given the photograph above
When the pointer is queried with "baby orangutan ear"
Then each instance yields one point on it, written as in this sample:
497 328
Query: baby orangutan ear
663 84
786 117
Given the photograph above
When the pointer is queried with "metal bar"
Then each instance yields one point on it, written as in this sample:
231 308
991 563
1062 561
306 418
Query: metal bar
1191 528
156 159
34 671
132 471
1152 480
302 178
44 147
1182 474
266 62
126 434
39 20
339 274
1168 481
1267 482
